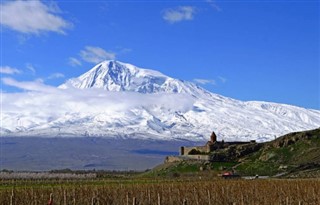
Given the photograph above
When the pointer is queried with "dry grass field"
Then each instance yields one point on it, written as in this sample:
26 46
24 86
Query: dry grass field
199 192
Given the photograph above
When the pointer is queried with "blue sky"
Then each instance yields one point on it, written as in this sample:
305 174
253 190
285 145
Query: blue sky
248 50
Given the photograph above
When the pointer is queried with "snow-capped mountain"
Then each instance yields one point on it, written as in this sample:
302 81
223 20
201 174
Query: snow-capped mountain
116 99
118 76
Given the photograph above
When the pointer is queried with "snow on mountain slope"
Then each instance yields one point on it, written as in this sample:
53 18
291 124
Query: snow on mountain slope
116 99
118 76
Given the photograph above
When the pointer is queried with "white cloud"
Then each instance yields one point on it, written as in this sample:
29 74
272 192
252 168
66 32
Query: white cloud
96 54
46 103
182 13
222 79
31 68
9 70
56 75
36 85
32 17
204 81
39 80
214 5
74 62
125 50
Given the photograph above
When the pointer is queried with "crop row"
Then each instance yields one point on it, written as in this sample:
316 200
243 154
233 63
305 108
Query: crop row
199 193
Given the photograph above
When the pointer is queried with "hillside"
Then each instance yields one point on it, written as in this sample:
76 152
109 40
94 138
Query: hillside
292 155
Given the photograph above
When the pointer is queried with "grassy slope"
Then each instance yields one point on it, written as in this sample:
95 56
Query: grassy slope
297 154
189 169
293 152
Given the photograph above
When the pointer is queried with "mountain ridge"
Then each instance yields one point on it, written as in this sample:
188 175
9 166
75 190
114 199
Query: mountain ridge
118 76
115 99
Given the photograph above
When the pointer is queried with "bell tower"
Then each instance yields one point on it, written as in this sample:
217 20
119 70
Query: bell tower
213 137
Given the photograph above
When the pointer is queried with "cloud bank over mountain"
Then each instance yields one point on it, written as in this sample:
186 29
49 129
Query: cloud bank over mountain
116 99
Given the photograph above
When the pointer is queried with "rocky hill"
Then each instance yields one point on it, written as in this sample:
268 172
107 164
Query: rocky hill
292 155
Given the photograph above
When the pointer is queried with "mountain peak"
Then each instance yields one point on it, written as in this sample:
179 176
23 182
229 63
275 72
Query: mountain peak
114 66
114 75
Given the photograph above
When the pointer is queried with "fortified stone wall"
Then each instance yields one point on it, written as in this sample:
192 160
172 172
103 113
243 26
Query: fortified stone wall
216 150
199 148
199 157
240 143
173 159
187 157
